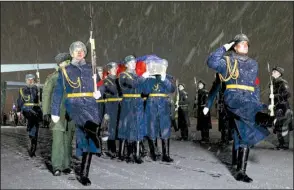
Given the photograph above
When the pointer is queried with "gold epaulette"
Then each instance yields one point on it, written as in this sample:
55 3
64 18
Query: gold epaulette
233 74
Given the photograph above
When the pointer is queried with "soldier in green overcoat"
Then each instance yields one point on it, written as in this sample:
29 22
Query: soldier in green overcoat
64 129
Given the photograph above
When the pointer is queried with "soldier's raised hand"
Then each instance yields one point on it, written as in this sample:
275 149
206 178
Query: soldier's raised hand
205 110
229 45
55 118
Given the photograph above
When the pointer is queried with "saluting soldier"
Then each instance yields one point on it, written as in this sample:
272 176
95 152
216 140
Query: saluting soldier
239 72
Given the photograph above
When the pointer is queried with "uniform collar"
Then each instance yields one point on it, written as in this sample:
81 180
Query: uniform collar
78 62
239 57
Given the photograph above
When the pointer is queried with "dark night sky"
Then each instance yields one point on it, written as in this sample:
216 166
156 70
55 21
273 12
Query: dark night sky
184 33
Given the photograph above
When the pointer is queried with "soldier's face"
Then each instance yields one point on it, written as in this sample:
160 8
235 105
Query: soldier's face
78 54
200 85
275 74
131 65
242 48
30 81
113 70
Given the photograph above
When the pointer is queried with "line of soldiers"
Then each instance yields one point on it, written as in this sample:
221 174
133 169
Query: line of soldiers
69 100
129 117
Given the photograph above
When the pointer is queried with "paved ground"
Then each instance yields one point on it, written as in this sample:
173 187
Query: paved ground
195 166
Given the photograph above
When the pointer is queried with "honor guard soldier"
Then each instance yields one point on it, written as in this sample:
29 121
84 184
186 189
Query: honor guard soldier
76 80
183 112
239 72
282 108
28 103
131 123
112 106
203 121
157 87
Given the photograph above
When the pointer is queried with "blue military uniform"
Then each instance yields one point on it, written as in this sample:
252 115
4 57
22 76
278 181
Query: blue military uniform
78 84
131 123
28 104
112 109
239 97
239 73
77 81
157 111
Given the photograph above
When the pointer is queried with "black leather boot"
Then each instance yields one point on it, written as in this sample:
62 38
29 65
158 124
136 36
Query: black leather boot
157 153
152 149
226 137
143 151
83 177
111 146
207 136
234 155
91 130
241 166
121 150
165 151
130 149
33 147
136 151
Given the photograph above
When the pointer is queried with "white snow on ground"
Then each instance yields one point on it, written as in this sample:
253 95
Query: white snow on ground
195 166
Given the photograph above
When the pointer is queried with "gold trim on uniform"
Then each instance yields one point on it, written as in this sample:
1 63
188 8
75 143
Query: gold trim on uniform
238 86
78 95
100 101
31 104
158 95
132 95
113 99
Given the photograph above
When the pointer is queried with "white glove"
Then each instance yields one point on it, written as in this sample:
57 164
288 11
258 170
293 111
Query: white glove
18 114
146 74
163 76
271 107
55 118
271 96
106 117
97 94
228 46
205 110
